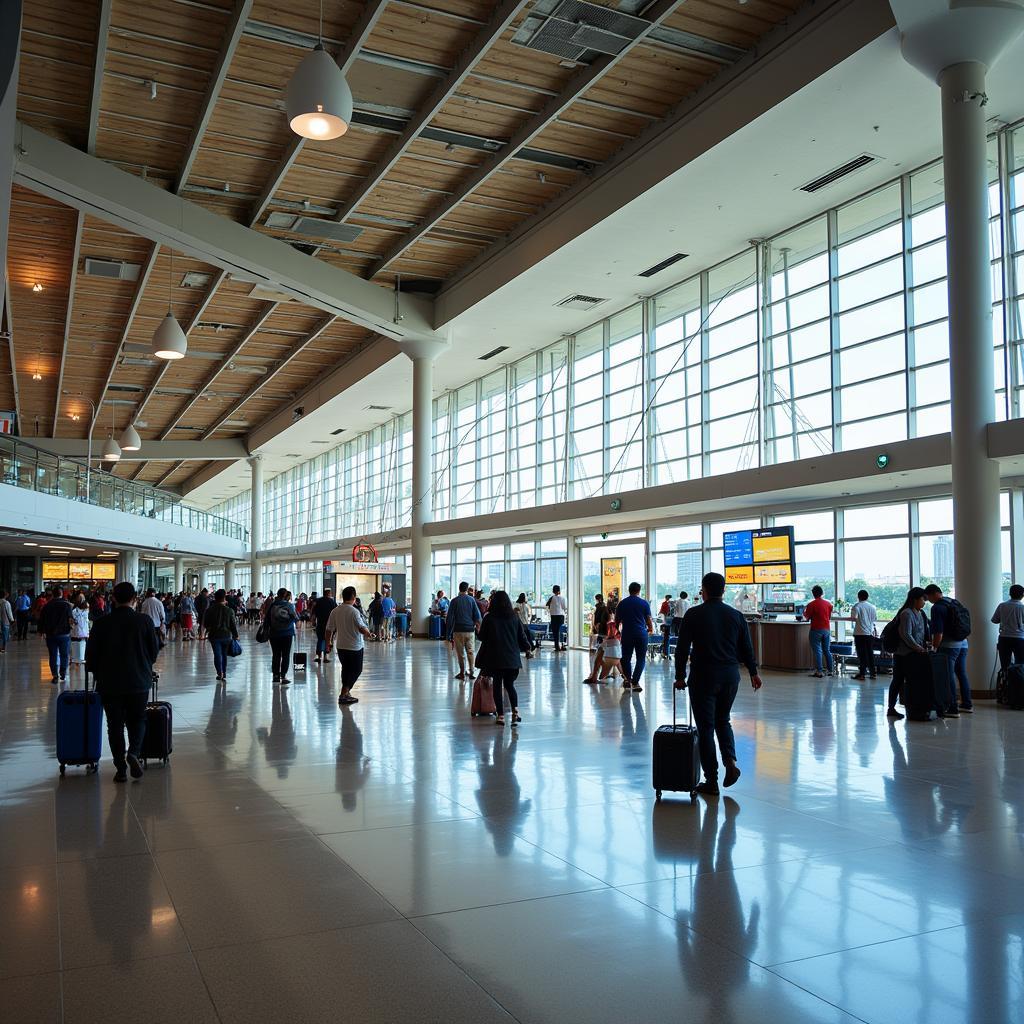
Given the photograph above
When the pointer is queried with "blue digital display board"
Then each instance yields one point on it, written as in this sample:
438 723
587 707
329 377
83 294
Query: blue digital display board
739 547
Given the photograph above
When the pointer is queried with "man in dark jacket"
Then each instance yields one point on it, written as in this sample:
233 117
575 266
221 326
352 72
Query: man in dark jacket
719 638
202 606
55 625
120 654
321 610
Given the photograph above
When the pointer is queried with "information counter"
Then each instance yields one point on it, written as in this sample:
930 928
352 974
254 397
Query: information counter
782 644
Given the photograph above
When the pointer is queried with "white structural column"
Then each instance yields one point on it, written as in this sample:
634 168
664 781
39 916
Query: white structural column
955 47
132 567
422 488
229 575
256 524
976 527
179 573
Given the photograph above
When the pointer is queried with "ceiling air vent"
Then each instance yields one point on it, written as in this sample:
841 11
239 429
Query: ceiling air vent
663 265
195 279
335 433
842 171
575 27
116 269
268 293
379 408
494 352
580 302
315 227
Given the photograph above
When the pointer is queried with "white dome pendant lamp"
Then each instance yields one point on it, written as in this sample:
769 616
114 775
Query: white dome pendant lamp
129 439
169 341
111 449
317 100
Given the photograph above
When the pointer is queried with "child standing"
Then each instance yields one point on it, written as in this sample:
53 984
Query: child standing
611 651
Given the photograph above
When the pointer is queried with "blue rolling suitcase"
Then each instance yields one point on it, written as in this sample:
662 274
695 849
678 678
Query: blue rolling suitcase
436 627
79 728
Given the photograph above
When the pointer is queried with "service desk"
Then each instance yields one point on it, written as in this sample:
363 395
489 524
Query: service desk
782 644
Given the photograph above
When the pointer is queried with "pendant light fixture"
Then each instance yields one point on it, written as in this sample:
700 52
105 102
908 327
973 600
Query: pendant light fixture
317 100
111 449
129 440
169 341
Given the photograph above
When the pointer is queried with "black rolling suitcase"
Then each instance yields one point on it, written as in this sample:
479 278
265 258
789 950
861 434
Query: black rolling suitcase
1010 687
299 661
676 756
156 744
925 690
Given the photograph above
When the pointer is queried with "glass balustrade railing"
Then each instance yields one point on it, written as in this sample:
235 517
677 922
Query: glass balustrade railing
22 464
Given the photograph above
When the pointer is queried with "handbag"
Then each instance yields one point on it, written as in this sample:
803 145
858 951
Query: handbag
263 633
235 648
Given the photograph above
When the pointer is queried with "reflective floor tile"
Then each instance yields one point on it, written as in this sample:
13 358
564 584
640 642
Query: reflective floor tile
255 891
998 851
114 909
970 973
448 865
602 957
382 972
29 939
161 990
28 831
95 819
34 999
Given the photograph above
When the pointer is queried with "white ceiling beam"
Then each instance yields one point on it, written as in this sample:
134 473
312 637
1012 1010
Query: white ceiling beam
492 30
579 83
55 169
346 57
99 62
223 449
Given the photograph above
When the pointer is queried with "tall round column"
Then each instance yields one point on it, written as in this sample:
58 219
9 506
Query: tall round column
976 526
229 575
422 489
179 573
256 523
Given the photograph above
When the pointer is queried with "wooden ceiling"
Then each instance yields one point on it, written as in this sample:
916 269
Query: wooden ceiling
460 135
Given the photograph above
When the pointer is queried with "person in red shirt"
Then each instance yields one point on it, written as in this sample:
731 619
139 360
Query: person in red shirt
819 614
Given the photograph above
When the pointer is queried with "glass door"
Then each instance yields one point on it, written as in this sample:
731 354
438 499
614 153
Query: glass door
633 556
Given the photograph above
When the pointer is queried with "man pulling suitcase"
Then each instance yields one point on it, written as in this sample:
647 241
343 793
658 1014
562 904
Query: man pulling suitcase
717 636
120 654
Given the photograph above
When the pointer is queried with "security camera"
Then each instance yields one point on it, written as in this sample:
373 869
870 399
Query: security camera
297 413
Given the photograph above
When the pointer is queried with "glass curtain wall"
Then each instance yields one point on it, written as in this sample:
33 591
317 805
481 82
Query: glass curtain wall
829 336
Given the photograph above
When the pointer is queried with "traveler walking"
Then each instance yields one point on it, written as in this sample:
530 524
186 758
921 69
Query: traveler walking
461 625
202 603
347 630
387 616
633 616
154 609
665 614
1010 617
375 613
502 637
6 621
950 628
79 629
525 613
321 614
22 605
819 614
221 629
187 616
911 670
120 654
715 641
557 611
865 617
679 609
598 625
55 624
281 619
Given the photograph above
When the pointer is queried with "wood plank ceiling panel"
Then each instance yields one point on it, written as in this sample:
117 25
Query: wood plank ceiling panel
58 41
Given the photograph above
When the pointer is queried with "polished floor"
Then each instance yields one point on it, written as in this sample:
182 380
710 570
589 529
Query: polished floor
398 860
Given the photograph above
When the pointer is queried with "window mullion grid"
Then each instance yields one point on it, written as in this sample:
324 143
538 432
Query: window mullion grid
768 360
646 452
833 300
705 405
909 354
1011 337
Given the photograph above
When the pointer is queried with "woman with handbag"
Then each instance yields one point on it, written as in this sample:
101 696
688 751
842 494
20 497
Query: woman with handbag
503 638
222 632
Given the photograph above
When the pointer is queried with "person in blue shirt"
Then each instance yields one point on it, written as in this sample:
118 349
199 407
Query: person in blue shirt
462 622
21 609
387 616
633 615
281 619
948 642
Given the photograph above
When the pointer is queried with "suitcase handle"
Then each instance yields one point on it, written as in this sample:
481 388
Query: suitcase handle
688 713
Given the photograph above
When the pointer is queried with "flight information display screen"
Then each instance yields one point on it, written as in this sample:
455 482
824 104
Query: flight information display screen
760 556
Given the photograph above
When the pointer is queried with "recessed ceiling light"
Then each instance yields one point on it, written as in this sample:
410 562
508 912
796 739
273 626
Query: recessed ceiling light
59 552
30 544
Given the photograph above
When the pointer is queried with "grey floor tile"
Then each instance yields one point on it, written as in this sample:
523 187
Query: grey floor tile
541 961
35 999
29 939
114 909
381 972
161 990
449 865
244 893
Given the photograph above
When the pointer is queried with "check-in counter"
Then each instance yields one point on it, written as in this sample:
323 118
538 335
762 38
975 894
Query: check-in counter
782 644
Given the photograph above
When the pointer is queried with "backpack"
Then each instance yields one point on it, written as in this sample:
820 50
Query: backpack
280 617
958 620
891 635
